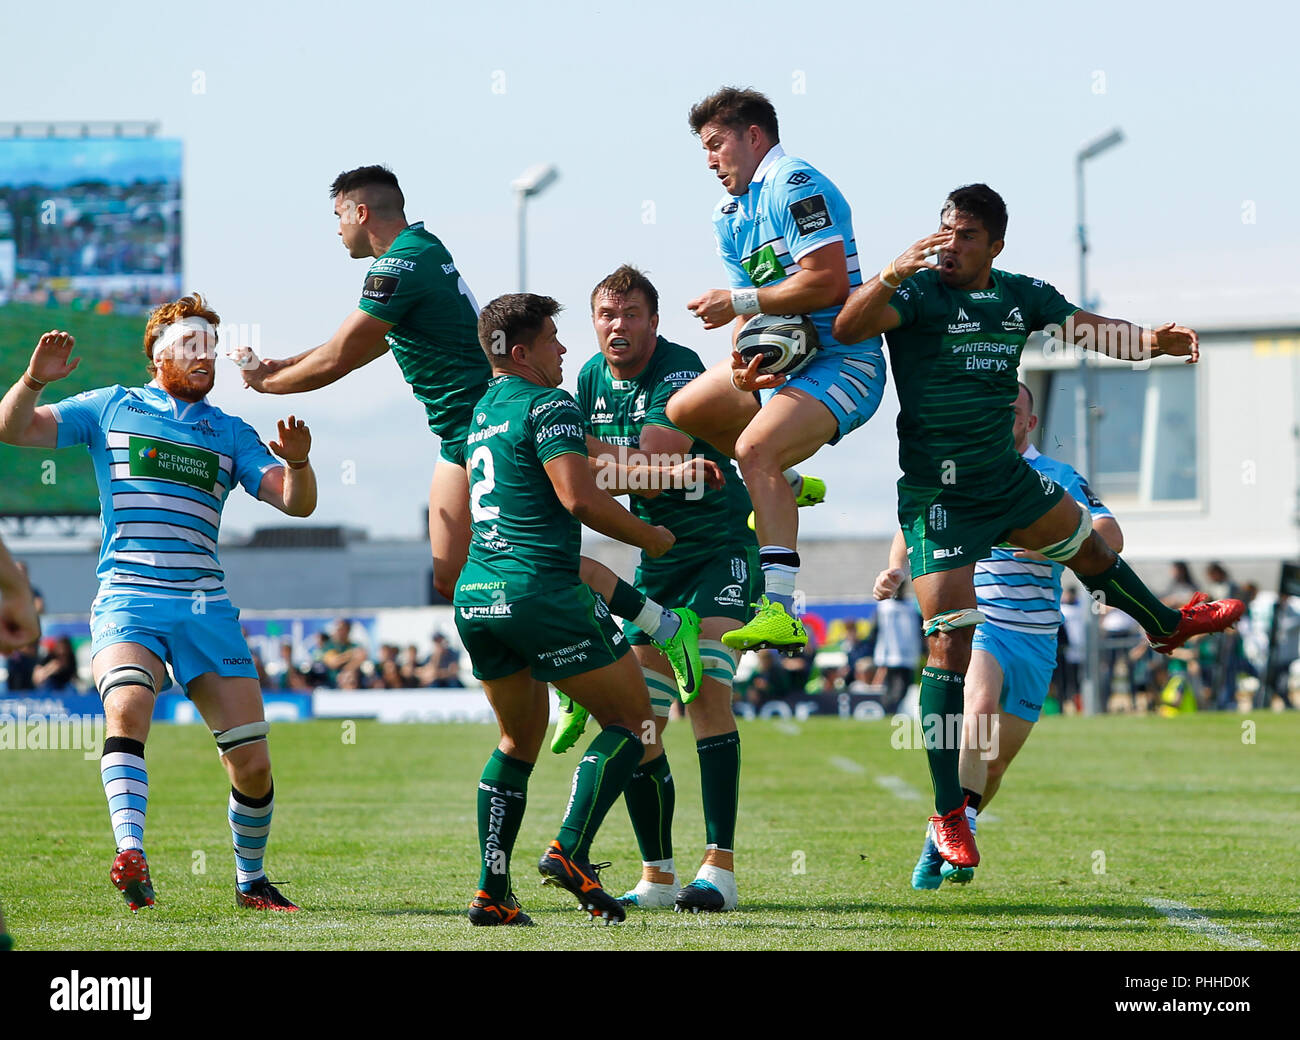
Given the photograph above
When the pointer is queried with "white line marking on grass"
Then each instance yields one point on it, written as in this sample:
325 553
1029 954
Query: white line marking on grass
1185 917
848 765
788 728
899 788
988 817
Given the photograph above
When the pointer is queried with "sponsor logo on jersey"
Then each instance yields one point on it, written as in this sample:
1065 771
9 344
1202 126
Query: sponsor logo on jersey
397 262
480 417
963 324
739 568
380 287
561 430
984 294
938 518
681 377
945 554
731 207
205 427
729 596
180 463
763 266
1014 321
559 402
486 432
449 268
236 660
798 178
810 214
600 404
638 408
1049 485
1089 496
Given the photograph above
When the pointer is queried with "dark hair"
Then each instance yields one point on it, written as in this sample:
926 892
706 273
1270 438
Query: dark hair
379 183
627 279
1025 388
510 319
737 109
982 203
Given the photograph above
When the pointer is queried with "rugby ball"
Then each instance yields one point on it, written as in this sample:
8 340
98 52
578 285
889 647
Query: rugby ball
786 342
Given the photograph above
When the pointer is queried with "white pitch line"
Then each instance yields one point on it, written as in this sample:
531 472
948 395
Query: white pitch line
899 788
848 765
1185 917
788 728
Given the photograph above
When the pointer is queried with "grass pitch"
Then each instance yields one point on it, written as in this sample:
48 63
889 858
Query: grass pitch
1098 820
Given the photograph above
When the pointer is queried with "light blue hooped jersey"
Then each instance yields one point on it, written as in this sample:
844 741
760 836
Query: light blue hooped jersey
790 210
1025 595
164 468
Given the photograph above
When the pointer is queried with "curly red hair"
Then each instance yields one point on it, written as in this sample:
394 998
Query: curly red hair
191 306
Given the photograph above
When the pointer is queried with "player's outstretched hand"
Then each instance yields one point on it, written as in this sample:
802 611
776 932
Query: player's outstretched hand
660 541
50 358
913 258
887 583
713 308
697 472
1173 341
294 440
746 377
19 624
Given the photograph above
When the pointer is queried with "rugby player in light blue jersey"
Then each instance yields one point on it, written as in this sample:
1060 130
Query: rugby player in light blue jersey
165 460
785 235
1013 656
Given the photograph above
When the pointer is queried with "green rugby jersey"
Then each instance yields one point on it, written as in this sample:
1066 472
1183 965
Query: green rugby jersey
954 359
523 541
616 409
416 288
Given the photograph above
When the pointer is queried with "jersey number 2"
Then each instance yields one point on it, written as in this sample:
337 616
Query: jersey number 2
478 511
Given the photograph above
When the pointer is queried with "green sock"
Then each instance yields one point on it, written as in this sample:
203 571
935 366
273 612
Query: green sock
502 797
1124 590
601 776
941 700
720 787
650 797
627 601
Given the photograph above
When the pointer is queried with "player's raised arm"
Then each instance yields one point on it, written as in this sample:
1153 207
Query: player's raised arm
358 341
822 281
577 491
1117 338
291 488
867 312
21 421
621 470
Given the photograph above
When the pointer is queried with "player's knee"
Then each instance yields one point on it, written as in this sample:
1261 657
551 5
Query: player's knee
950 650
253 775
445 582
997 767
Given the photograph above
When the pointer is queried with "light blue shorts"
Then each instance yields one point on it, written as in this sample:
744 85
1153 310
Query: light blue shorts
851 386
1027 661
192 636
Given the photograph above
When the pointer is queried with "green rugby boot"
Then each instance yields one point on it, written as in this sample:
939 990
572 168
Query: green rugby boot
812 492
771 628
683 652
572 721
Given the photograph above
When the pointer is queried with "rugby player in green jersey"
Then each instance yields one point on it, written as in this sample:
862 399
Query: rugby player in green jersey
524 616
416 302
955 331
711 571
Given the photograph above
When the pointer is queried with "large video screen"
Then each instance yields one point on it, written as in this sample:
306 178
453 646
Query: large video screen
90 241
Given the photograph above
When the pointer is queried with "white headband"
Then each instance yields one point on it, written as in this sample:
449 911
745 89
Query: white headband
178 330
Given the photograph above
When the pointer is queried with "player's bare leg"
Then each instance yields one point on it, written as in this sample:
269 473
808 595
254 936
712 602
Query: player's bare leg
981 734
1013 731
711 408
127 675
232 708
947 603
1064 534
449 522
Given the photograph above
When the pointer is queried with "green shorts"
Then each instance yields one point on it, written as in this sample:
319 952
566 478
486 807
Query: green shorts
452 449
952 526
724 585
554 634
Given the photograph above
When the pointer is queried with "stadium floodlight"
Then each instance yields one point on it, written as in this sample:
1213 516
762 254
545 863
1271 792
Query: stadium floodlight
1086 413
533 181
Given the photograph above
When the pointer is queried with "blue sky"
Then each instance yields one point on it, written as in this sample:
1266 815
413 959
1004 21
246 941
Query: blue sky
1194 218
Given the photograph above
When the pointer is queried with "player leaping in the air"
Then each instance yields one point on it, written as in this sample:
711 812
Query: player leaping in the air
1013 655
165 460
416 302
785 235
955 332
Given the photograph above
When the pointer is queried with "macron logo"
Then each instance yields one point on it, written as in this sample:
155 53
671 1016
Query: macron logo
99 994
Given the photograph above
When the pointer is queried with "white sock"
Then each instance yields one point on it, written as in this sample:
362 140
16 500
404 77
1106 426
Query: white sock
656 622
795 479
970 818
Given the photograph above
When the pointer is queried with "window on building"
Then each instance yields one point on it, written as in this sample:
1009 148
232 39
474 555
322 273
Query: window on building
1147 447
